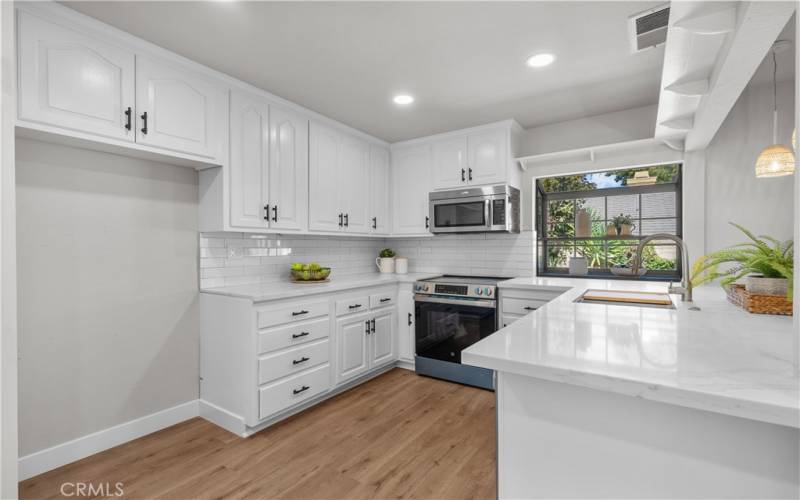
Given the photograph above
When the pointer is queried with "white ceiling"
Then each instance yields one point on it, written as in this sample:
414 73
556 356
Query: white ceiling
463 61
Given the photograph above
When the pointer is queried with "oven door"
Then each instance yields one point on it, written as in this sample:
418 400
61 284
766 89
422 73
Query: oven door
460 215
446 326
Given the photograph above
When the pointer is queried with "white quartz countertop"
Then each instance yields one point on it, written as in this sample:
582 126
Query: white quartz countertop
287 289
720 359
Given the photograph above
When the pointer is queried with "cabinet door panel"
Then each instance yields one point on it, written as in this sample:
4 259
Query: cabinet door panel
249 174
352 347
323 183
383 342
355 183
488 156
288 169
71 80
405 325
379 191
185 112
411 183
450 163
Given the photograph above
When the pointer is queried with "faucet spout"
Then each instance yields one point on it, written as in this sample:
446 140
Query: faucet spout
686 284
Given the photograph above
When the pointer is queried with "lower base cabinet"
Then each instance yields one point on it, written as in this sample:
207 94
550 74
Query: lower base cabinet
366 341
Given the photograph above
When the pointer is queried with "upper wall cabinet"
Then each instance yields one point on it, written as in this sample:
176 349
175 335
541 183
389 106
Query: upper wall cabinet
74 81
269 165
479 156
82 83
379 190
411 182
178 110
342 187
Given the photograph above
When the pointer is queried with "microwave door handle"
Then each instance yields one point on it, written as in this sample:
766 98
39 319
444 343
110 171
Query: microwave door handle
487 212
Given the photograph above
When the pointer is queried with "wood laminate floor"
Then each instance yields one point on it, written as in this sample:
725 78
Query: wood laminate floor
399 435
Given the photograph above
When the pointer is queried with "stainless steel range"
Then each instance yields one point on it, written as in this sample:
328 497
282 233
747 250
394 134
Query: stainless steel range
452 313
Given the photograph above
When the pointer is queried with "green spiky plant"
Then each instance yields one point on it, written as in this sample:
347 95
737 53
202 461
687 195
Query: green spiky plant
761 255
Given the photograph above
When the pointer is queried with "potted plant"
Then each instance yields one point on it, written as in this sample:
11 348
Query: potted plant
766 264
623 224
385 260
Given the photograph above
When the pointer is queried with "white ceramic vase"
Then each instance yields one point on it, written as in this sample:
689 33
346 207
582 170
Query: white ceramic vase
400 265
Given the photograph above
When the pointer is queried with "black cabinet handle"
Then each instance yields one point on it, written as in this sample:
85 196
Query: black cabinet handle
144 123
346 220
275 213
374 223
302 389
298 335
386 299
462 175
341 220
128 118
373 325
427 222
409 319
266 212
529 308
470 173
367 325
301 360
298 313
354 306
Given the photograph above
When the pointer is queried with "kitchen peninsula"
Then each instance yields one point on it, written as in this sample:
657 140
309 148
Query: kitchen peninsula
616 401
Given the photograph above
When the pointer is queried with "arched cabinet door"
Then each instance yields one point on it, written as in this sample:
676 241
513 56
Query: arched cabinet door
71 80
179 110
288 169
249 165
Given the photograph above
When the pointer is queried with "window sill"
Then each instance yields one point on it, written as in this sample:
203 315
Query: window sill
609 276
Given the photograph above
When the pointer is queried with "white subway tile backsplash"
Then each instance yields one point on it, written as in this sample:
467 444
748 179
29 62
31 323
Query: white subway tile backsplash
241 258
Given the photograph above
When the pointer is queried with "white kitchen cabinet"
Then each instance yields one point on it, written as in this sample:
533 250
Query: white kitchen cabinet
179 110
288 169
379 190
487 156
383 345
354 195
450 163
249 164
76 81
323 182
411 183
405 323
353 336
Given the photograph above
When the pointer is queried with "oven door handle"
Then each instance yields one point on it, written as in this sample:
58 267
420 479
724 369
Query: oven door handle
487 304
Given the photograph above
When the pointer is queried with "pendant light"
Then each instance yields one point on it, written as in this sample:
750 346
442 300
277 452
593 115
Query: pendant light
775 160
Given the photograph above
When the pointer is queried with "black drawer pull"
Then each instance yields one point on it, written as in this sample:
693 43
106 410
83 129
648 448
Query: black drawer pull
275 213
427 222
341 220
529 308
298 335
374 223
409 319
266 212
144 123
470 173
299 313
128 118
367 324
301 360
354 306
373 325
387 299
346 220
302 389
462 175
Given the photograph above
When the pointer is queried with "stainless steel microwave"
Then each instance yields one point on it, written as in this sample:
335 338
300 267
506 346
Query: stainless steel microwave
475 210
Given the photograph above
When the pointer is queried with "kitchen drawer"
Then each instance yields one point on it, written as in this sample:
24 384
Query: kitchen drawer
382 299
286 393
293 334
352 305
278 315
520 306
508 319
297 359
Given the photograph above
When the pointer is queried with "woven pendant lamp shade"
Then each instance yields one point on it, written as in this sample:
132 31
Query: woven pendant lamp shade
775 161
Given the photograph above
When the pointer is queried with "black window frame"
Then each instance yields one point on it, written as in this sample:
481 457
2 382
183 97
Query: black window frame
542 203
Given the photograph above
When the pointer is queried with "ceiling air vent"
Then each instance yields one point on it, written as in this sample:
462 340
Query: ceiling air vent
648 29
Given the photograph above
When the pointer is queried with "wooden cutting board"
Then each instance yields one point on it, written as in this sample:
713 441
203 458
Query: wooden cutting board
632 297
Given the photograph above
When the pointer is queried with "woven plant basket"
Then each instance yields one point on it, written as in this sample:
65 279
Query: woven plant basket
758 304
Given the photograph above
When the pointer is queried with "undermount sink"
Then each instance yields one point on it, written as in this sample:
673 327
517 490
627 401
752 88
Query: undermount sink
622 298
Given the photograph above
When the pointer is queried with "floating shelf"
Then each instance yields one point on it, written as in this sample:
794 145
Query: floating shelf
591 153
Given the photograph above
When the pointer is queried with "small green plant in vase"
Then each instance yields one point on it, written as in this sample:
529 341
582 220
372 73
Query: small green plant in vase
385 260
766 263
623 224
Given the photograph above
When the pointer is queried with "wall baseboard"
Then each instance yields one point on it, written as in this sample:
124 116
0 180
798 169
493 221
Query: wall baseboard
64 453
223 418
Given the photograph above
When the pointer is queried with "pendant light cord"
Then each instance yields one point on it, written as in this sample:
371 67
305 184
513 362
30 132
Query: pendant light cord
774 97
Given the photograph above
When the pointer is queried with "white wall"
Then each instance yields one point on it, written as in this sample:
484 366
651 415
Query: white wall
733 193
107 266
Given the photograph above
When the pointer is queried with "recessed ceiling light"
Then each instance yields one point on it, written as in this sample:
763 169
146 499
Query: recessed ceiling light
540 60
403 99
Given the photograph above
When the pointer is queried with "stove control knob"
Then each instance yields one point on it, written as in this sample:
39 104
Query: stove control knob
487 291
478 291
